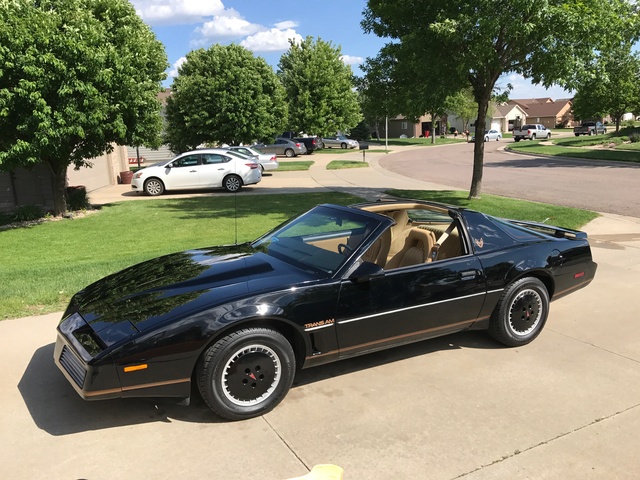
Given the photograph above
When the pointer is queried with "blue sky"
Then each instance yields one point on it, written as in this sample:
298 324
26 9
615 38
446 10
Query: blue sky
264 27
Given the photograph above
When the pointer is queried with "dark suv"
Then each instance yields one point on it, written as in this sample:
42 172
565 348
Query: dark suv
312 143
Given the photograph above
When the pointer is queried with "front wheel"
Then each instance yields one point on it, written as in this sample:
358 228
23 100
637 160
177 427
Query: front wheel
486 139
343 145
246 373
232 183
520 313
154 187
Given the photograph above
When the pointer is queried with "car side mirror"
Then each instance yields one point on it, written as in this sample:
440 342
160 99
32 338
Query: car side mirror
365 272
169 165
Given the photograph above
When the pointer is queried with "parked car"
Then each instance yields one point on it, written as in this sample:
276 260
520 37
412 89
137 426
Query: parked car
311 142
531 131
589 128
198 169
333 283
490 135
283 146
267 161
339 141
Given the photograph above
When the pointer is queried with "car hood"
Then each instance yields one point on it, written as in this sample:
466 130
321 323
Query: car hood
174 286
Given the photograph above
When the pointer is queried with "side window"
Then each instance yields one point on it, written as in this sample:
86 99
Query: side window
188 161
280 142
212 158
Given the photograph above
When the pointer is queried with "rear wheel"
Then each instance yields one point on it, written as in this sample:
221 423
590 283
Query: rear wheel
289 153
232 183
516 139
520 313
246 373
533 137
154 187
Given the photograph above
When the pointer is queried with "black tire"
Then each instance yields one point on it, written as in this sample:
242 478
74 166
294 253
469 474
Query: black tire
520 313
289 153
343 145
590 132
533 137
246 373
232 183
261 169
486 139
577 134
517 139
154 187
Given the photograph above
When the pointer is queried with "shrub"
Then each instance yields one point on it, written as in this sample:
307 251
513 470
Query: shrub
77 198
627 123
27 213
634 137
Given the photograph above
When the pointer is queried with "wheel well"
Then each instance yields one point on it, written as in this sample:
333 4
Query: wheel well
293 336
544 277
154 178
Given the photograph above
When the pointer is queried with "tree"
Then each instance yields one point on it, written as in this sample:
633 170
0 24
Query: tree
224 95
612 86
76 76
319 88
463 105
478 42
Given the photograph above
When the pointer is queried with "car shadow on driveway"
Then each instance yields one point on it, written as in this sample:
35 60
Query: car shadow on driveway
57 409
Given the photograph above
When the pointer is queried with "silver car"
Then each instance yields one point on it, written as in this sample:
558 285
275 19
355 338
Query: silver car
489 135
198 169
340 141
283 146
267 161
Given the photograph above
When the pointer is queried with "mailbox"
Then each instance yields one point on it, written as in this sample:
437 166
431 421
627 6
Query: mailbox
364 147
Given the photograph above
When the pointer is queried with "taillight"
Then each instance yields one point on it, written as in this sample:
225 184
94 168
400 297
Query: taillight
274 158
298 145
252 166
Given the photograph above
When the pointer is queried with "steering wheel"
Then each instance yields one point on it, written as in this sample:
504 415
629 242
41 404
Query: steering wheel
344 248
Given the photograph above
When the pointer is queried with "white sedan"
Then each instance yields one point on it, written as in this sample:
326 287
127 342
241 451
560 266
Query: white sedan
339 141
490 135
267 161
198 169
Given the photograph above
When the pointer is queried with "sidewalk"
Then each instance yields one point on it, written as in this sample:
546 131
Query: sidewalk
369 183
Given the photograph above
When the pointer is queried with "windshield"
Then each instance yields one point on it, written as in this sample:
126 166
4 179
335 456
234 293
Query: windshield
321 240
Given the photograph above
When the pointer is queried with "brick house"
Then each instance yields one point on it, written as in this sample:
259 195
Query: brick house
546 111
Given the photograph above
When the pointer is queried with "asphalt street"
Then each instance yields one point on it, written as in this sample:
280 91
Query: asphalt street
567 406
610 187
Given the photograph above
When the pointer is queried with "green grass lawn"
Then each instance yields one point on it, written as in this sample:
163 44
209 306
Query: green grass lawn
293 165
535 148
43 265
340 164
506 207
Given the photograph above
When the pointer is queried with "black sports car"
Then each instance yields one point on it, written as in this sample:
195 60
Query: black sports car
329 284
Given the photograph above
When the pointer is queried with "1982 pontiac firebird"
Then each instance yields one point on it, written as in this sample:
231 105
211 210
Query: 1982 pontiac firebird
333 283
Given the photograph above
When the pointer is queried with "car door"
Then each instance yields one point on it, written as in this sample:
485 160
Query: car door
184 173
408 304
213 169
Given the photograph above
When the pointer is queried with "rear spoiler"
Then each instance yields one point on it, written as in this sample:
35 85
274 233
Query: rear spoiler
557 232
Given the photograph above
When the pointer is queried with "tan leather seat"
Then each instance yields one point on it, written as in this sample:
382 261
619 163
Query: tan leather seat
415 250
378 252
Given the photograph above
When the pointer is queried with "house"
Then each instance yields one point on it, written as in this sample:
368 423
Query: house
33 187
546 111
399 126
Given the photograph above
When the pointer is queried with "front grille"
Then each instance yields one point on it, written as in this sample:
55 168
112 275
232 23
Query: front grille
73 366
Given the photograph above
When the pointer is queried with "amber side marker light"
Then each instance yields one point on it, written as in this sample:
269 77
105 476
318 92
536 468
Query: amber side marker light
134 368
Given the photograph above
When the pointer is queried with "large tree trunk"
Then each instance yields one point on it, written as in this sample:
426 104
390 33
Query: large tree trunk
58 186
478 149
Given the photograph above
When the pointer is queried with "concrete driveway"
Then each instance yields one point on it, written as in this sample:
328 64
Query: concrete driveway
565 407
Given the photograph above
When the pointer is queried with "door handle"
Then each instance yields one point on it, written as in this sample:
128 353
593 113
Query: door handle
468 274
193 171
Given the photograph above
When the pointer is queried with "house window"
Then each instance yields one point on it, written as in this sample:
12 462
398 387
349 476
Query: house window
404 125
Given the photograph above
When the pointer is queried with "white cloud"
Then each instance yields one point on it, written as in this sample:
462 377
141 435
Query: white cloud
230 25
178 63
523 88
286 24
351 60
174 12
272 40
